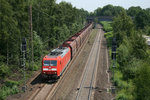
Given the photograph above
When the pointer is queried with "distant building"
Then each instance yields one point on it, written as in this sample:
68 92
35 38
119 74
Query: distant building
147 40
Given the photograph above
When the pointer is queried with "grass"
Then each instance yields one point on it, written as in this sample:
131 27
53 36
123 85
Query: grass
124 88
106 25
109 36
14 80
10 87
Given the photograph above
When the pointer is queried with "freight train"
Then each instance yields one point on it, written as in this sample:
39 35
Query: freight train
54 64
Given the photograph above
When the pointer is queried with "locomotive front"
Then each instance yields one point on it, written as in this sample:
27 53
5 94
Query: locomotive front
50 67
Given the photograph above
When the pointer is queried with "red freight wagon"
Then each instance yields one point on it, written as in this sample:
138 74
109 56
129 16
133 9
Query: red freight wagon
83 36
72 44
77 39
55 63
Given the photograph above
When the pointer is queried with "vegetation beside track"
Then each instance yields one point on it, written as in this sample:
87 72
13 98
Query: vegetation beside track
106 25
132 64
52 24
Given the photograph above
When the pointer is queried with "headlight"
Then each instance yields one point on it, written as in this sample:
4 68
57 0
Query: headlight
54 69
45 69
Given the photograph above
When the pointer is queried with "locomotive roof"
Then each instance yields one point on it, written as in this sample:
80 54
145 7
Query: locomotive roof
61 51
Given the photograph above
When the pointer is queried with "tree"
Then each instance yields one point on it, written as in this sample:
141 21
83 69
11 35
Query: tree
8 31
124 52
38 47
122 27
148 10
97 12
142 82
133 11
142 19
107 10
139 45
117 10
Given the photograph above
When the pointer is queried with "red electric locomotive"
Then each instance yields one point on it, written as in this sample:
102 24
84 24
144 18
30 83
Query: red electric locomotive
55 63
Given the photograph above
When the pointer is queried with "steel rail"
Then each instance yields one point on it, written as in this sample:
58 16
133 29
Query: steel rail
85 71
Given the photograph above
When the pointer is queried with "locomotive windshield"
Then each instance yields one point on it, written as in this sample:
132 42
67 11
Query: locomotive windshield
53 63
50 63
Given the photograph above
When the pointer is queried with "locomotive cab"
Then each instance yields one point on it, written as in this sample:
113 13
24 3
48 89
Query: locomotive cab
49 67
54 63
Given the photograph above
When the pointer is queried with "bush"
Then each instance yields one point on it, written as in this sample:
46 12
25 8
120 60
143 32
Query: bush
33 67
117 77
109 36
11 83
123 95
124 88
5 91
142 83
4 71
107 26
9 88
36 67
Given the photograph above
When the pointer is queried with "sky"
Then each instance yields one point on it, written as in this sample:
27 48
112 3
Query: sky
91 5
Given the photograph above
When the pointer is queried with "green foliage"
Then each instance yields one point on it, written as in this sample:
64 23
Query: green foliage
4 71
38 47
97 12
106 25
122 26
11 83
131 68
108 10
146 30
5 91
117 77
9 88
96 20
139 45
123 95
52 24
124 51
142 82
142 19
133 11
109 36
124 89
121 83
34 67
131 54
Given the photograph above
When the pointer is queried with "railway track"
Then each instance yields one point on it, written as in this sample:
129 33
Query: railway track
85 89
46 91
57 85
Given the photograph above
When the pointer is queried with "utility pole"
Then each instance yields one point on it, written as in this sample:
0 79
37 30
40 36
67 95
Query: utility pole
31 34
114 46
23 45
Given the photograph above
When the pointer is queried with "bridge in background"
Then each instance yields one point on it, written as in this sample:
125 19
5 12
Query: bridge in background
100 18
